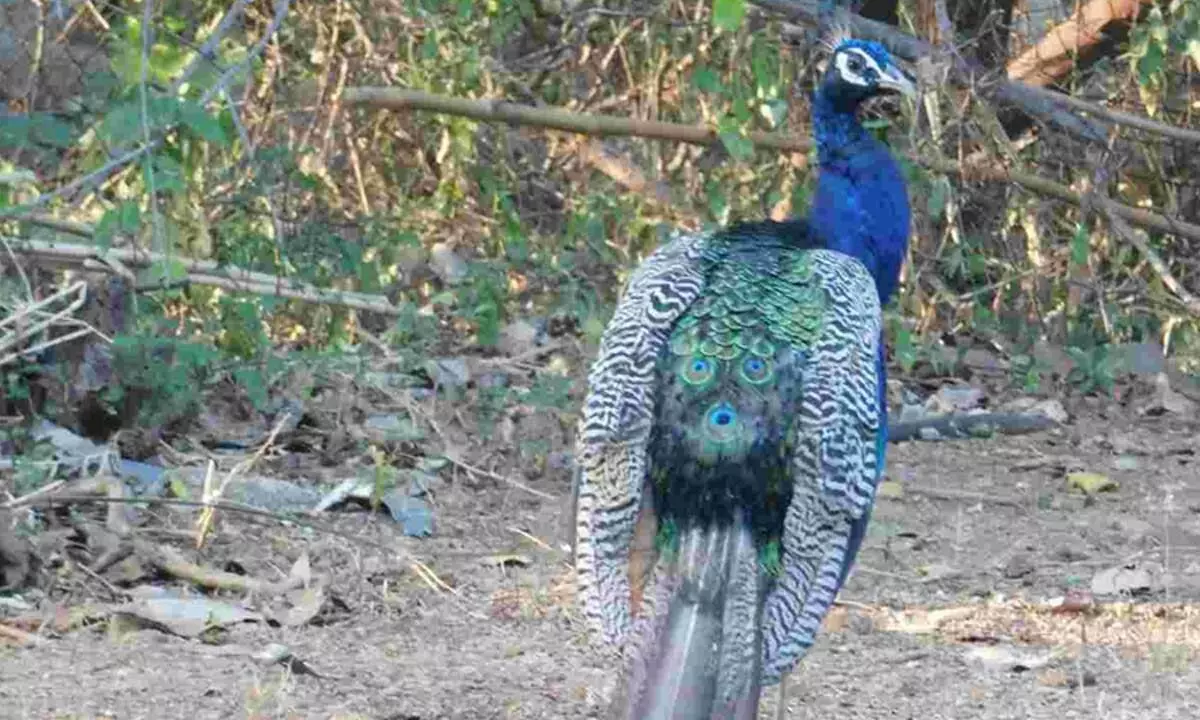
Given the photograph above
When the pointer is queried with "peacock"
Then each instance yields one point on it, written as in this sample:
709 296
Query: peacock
734 428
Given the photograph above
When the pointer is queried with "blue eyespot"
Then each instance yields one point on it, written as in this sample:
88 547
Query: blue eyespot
756 370
698 370
722 416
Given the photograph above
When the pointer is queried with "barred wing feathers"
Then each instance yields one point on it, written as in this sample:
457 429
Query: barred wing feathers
835 464
615 428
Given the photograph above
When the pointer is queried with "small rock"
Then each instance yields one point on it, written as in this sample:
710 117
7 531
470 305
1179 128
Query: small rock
861 623
954 398
1052 409
1126 462
449 372
519 336
1166 401
446 264
998 657
1126 580
1070 553
1018 566
938 571
1075 601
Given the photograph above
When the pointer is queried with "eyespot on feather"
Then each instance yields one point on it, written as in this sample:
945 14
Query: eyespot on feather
722 421
756 370
698 371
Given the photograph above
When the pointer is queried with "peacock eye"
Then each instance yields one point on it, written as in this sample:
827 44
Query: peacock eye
854 64
722 416
756 370
699 371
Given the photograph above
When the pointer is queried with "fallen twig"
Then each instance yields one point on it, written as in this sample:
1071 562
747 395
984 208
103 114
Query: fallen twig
32 497
32 319
958 425
204 522
947 494
168 560
501 478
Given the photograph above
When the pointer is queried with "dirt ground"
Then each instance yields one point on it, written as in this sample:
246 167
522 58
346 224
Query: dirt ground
984 531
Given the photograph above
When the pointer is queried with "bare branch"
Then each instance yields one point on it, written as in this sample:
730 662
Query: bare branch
501 111
586 124
1153 259
202 272
208 51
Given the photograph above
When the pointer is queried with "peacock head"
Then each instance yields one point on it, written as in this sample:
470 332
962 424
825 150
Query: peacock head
858 70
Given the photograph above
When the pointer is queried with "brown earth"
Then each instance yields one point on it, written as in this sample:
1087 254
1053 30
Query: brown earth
984 530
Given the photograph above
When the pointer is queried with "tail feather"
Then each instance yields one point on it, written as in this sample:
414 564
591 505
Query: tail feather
698 652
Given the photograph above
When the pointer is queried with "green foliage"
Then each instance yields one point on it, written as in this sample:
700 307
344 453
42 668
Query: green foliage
542 231
1092 369
728 14
162 378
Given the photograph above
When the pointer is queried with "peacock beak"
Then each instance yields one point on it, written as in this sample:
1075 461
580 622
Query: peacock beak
893 78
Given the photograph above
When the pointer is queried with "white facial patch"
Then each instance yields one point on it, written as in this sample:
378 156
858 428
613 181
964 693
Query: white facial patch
866 63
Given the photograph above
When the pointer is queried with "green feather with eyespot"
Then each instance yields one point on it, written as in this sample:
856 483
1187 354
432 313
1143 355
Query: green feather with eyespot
733 357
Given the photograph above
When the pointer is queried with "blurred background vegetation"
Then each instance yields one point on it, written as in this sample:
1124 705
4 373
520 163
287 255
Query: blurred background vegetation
243 233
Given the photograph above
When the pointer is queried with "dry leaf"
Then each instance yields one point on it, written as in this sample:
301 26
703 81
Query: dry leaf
1090 483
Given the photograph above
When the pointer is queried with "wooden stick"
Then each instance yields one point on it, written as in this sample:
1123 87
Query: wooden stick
604 125
206 272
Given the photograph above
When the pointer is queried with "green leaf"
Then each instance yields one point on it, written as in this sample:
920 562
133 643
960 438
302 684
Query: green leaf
168 174
938 196
15 130
707 80
737 144
123 219
50 130
164 272
1151 64
728 14
1080 244
199 121
129 215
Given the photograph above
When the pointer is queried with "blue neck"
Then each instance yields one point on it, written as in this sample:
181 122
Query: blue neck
861 205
